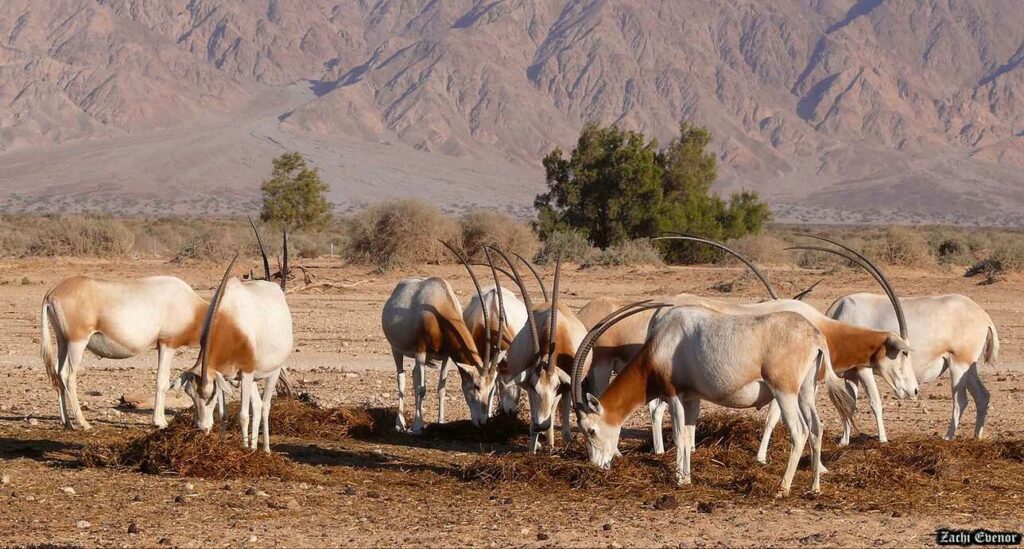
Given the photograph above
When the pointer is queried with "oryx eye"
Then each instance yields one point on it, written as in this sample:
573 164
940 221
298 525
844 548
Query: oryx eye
591 432
476 386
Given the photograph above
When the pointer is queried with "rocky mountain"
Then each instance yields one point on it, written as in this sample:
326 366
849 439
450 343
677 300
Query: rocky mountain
842 111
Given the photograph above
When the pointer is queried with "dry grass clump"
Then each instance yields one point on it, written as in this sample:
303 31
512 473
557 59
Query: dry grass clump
399 233
55 235
628 253
759 248
480 227
182 450
904 247
294 417
909 474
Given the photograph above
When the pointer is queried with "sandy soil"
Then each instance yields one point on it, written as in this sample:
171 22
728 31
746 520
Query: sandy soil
400 490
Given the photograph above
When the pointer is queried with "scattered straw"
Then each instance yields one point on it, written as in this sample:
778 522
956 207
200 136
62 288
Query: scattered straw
182 450
295 417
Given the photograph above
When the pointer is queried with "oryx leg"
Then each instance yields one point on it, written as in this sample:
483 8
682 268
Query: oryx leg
268 395
400 377
62 386
657 408
789 406
867 379
770 421
244 406
981 398
441 382
419 382
257 415
551 425
958 385
692 409
678 410
76 349
163 380
851 387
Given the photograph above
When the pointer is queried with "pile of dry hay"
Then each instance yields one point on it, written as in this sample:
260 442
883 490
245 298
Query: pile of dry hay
502 428
906 474
296 417
182 450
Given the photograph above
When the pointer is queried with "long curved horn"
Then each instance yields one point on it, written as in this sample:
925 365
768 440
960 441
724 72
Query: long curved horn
211 312
553 313
501 306
591 338
540 281
480 296
530 321
263 252
284 263
881 280
864 264
753 268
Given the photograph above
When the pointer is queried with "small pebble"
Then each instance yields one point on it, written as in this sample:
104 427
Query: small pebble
179 499
253 538
133 528
68 490
189 486
541 536
607 526
5 479
83 525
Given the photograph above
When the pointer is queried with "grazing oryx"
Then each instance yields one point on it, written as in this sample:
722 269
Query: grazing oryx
950 332
694 354
116 319
247 333
515 319
423 319
541 361
849 345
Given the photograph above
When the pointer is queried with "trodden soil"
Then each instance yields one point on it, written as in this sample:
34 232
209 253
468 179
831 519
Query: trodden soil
399 489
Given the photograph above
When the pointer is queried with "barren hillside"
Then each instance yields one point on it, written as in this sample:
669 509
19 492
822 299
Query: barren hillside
834 110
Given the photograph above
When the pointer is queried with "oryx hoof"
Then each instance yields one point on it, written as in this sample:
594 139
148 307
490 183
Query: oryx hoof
763 460
782 493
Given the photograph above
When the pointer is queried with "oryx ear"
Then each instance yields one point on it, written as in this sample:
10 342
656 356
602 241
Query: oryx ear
464 371
563 377
225 387
594 404
183 379
894 345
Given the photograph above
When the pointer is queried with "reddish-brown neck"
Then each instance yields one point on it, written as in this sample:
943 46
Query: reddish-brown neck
851 345
628 391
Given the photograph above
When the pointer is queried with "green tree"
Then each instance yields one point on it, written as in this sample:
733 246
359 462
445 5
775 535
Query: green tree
616 185
295 196
609 188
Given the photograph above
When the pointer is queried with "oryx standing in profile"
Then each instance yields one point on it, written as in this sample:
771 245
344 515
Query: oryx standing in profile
949 332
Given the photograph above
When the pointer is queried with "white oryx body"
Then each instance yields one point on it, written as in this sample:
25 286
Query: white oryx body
423 320
249 337
738 361
116 319
947 332
515 319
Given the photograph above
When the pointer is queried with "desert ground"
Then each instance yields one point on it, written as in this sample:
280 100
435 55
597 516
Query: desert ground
405 490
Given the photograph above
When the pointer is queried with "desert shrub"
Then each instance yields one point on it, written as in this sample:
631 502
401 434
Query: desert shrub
398 233
759 248
480 227
953 250
630 252
572 244
902 246
80 236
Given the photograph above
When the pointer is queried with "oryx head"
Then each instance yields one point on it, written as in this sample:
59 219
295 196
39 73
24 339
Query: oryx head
892 359
479 374
543 380
601 430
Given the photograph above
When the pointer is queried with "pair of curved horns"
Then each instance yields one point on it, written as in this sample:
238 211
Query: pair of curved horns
856 257
266 262
591 338
753 268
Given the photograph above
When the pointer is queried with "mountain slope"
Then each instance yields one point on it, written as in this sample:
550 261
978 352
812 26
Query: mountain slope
834 110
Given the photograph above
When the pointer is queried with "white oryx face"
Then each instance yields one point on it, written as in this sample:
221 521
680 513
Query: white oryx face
478 388
602 437
202 408
894 364
544 387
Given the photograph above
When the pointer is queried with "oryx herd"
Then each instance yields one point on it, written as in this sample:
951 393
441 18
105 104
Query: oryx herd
601 363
